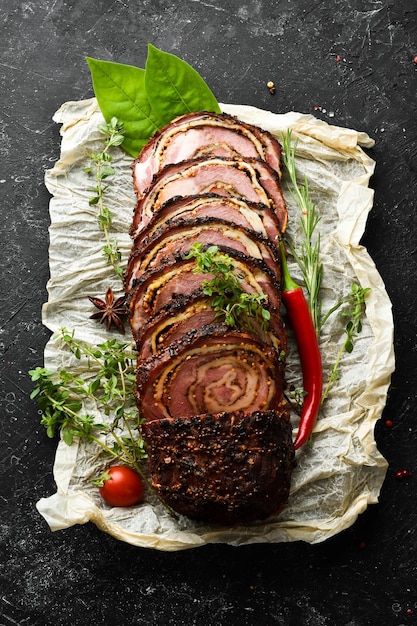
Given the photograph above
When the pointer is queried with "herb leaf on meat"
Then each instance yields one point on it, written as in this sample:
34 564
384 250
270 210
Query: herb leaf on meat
229 300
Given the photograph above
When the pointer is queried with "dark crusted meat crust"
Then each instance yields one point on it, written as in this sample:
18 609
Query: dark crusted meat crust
226 468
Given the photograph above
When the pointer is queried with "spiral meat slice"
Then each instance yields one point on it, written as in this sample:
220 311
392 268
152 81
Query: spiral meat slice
213 370
200 134
174 278
251 179
170 240
254 216
188 314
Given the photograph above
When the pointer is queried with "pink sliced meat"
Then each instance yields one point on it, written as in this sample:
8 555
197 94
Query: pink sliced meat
250 179
203 134
254 216
215 421
214 370
159 286
187 314
184 314
172 239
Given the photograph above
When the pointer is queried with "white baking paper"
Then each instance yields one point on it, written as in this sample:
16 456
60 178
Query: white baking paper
342 473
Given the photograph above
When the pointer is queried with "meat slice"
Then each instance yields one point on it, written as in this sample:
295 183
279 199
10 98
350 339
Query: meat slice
255 216
250 179
229 468
187 314
171 239
159 286
174 320
212 370
200 134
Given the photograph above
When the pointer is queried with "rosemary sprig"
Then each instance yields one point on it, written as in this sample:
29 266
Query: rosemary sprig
308 259
63 396
103 169
229 300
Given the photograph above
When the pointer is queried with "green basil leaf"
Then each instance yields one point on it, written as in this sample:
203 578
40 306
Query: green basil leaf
120 92
173 87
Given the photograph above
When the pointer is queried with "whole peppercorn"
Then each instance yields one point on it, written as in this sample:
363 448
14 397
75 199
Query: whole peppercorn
271 86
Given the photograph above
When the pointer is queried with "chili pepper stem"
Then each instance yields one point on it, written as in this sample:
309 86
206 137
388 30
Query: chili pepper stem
287 283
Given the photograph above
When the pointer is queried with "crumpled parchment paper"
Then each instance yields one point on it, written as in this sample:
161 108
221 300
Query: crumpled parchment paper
343 471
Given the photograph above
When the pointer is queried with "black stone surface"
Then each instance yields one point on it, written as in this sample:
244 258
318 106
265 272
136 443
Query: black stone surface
366 575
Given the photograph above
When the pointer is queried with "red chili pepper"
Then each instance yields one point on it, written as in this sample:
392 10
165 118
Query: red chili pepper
308 350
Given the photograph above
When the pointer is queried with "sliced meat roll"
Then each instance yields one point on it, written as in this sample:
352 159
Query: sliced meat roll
201 134
214 370
250 179
178 317
159 286
217 433
227 468
254 216
188 314
172 239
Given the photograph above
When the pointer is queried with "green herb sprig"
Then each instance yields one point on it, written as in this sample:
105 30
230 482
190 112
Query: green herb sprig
308 258
103 169
229 300
356 301
64 399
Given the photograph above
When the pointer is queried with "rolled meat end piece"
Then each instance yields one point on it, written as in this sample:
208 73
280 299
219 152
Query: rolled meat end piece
228 468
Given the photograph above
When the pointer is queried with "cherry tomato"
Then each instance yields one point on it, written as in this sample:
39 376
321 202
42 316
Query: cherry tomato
123 487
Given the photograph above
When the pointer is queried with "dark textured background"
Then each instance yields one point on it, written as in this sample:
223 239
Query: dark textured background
365 576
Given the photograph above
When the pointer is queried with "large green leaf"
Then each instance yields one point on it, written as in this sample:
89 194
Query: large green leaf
173 87
120 92
146 100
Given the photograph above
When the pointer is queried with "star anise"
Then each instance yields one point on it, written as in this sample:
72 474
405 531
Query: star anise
111 311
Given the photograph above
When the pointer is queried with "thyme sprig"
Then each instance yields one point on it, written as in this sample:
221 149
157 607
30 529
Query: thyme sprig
308 258
229 300
103 169
64 399
355 313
